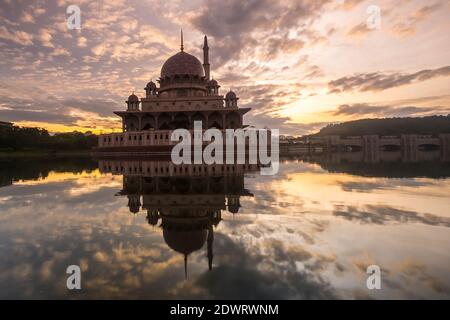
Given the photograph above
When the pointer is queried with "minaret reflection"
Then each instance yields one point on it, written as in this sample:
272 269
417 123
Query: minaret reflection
186 201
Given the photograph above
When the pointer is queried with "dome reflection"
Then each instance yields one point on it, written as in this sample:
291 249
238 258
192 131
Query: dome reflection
186 201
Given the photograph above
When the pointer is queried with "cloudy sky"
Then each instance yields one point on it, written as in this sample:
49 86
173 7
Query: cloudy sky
298 64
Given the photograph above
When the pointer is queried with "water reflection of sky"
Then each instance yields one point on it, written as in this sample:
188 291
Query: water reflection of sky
306 234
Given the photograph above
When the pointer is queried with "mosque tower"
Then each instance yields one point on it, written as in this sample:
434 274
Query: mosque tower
206 65
184 93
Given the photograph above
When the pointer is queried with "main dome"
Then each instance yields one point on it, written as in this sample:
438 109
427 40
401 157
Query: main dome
182 64
185 242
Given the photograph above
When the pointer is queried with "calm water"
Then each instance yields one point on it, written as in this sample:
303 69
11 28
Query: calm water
307 233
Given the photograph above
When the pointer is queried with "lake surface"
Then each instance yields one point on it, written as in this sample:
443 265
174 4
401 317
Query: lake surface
145 229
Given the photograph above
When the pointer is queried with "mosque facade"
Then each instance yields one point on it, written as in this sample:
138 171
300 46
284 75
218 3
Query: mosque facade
185 93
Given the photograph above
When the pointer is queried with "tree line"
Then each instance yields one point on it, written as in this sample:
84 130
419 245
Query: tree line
21 138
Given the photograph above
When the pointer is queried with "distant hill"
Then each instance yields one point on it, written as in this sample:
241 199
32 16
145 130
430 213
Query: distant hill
389 126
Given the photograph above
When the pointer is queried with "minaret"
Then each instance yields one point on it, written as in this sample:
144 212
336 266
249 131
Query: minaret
210 246
182 45
185 266
206 58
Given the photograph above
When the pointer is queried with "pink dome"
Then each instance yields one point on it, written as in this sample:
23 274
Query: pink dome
133 98
182 64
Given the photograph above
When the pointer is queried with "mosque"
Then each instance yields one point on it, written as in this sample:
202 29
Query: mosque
185 201
186 93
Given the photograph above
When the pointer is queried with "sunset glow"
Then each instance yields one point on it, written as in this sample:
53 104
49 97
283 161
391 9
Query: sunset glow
298 64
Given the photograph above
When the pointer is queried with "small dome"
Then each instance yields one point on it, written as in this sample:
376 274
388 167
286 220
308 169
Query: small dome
230 96
134 208
152 218
213 83
133 98
234 208
151 85
182 64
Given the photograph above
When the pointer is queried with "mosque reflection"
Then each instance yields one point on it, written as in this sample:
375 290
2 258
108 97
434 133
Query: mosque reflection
186 201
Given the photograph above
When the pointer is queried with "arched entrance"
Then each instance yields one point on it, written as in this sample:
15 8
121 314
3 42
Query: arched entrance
215 120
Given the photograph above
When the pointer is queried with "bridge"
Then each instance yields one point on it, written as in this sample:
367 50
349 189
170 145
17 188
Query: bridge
372 145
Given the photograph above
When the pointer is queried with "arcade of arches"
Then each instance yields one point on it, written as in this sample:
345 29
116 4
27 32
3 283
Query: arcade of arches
186 93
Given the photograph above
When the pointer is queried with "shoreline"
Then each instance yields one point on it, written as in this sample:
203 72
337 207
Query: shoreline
43 154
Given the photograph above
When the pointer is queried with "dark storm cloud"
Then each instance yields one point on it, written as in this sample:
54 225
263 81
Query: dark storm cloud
235 25
364 109
377 81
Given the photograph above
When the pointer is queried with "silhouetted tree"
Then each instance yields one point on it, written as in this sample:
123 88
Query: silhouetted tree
20 138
